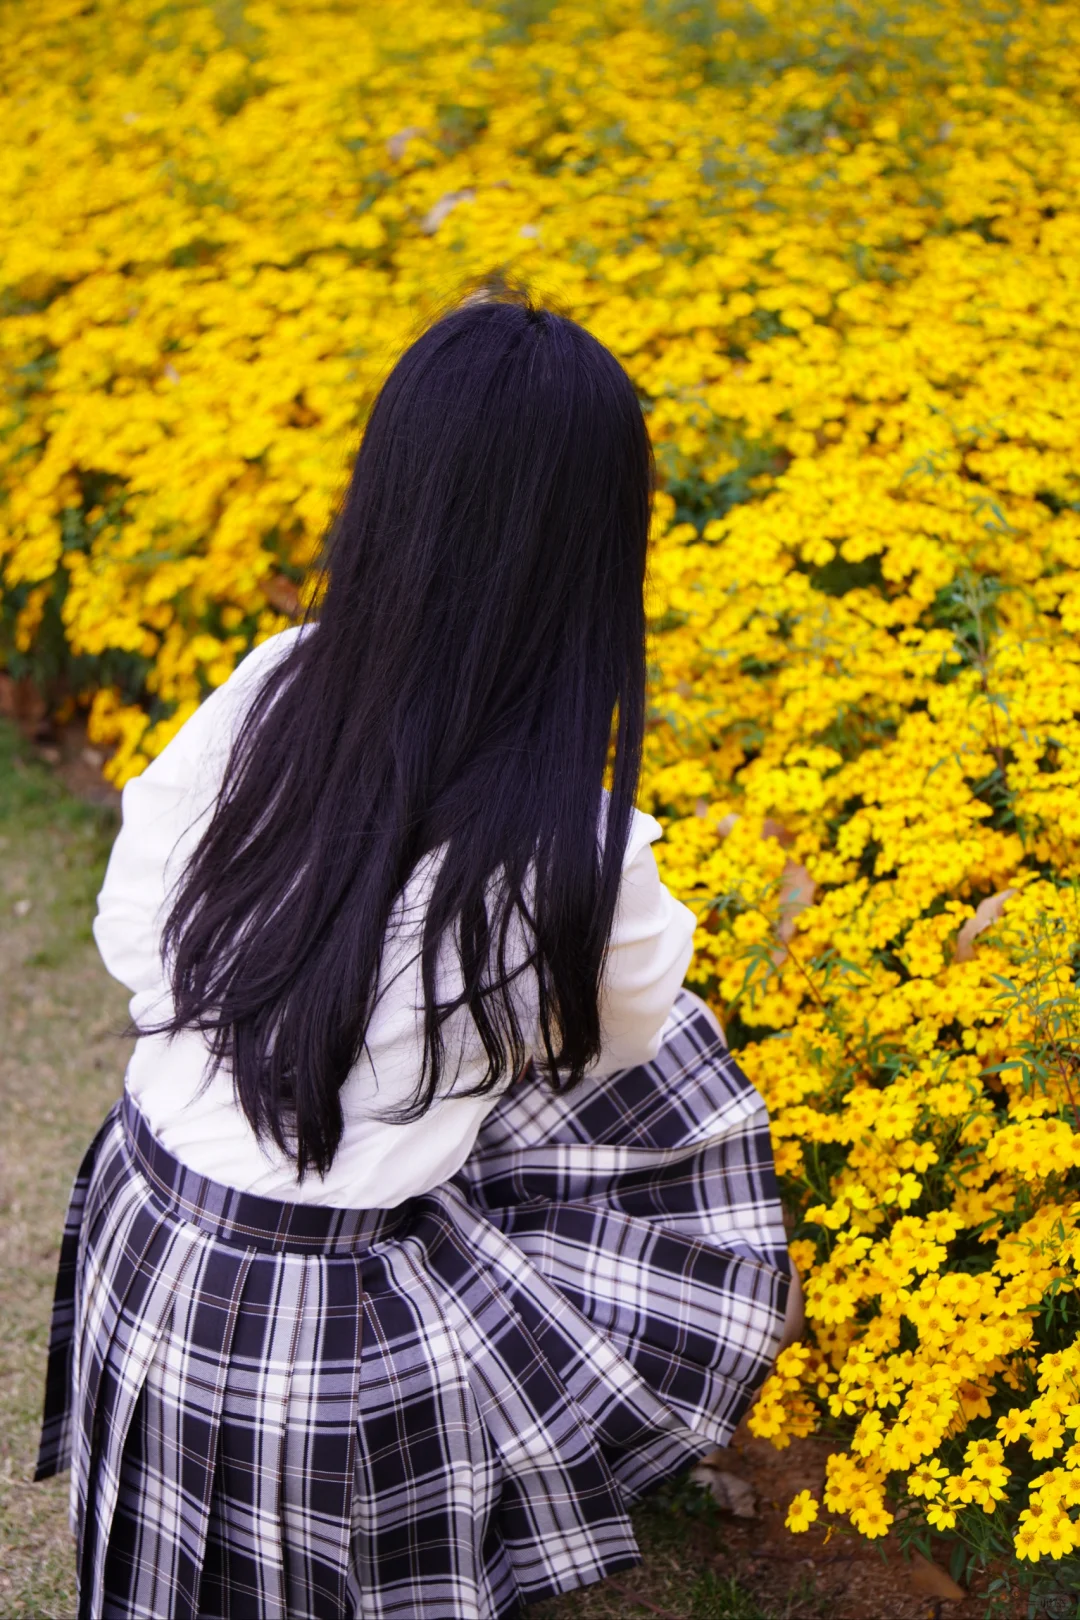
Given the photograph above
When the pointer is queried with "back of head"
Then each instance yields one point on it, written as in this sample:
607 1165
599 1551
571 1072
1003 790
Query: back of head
490 555
481 631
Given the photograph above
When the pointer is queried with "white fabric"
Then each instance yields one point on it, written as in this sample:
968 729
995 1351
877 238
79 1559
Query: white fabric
378 1164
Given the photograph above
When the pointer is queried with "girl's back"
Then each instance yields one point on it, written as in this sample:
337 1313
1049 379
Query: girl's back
380 1160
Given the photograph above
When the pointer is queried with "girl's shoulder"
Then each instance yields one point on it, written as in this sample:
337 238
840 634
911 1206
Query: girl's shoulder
197 751
643 830
225 707
267 653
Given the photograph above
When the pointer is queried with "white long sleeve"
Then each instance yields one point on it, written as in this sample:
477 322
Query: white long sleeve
378 1164
652 941
164 812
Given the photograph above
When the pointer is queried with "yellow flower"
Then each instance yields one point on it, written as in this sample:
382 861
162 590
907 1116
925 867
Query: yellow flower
1015 1425
1045 1437
1026 1541
872 1520
802 1512
926 1480
1054 1536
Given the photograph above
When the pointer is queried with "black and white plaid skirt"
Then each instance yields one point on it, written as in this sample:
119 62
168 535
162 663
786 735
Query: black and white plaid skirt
437 1412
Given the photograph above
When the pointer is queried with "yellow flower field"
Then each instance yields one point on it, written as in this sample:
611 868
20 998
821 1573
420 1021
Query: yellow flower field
837 246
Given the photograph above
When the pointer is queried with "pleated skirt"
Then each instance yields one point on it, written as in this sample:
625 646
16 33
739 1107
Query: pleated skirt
438 1412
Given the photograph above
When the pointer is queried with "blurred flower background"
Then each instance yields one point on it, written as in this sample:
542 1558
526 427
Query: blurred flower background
836 243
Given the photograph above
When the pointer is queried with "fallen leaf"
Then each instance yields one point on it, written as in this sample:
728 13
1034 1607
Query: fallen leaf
445 205
397 143
769 827
729 1492
927 1578
986 914
797 891
797 887
773 829
281 594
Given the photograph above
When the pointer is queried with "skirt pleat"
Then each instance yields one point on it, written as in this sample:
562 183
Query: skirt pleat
122 1320
245 1553
58 1424
319 1477
171 1445
429 1494
438 1412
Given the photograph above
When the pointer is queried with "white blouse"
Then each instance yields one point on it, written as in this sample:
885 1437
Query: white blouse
378 1164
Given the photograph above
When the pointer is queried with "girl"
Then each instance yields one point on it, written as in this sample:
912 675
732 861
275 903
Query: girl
436 1223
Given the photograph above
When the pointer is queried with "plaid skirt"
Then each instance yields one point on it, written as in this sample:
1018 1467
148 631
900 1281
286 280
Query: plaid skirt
437 1412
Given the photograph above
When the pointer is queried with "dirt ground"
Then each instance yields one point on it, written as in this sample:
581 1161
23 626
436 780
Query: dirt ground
62 1059
700 1564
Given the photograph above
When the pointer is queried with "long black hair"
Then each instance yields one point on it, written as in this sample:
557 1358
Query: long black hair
476 661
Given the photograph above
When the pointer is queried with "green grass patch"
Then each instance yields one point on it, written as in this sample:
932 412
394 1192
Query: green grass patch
62 1061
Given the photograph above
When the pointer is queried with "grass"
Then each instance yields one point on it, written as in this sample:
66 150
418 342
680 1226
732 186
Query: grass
675 1580
62 1060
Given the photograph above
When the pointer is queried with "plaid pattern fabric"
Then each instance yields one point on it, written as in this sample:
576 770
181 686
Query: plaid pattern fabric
438 1412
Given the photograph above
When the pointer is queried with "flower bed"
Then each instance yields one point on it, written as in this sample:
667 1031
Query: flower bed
837 248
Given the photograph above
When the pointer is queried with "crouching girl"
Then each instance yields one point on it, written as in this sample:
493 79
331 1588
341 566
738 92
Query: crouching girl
436 1223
